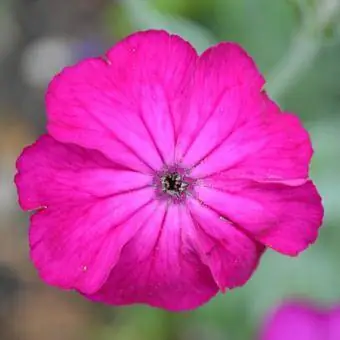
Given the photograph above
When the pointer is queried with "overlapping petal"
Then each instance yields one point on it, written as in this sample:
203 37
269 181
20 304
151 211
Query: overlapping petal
272 147
285 218
53 173
231 255
160 267
87 211
128 105
231 124
223 95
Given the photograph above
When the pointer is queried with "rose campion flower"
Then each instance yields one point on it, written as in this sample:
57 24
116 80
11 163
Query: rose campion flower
302 321
164 175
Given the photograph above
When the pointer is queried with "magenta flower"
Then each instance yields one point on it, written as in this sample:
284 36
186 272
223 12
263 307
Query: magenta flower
302 321
164 175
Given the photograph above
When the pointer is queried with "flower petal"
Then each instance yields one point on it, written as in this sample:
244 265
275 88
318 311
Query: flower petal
127 106
224 94
231 125
159 266
88 210
334 323
230 254
75 247
295 321
271 147
285 218
51 173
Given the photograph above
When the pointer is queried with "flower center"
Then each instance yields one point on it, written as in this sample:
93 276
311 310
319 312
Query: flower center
173 184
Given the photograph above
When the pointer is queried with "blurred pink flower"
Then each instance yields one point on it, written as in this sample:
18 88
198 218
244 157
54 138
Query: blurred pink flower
302 321
164 175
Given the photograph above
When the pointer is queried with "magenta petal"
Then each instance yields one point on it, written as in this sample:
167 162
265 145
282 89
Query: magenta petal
127 106
225 93
272 147
50 172
231 125
334 323
88 210
157 81
75 247
297 321
281 217
82 108
230 254
159 266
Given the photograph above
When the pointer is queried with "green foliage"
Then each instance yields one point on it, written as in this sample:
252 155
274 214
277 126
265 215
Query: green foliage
144 16
263 27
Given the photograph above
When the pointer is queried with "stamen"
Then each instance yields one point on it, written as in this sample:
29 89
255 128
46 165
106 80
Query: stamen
173 184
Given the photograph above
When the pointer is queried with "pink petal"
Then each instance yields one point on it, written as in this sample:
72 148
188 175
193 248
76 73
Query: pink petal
230 254
272 147
88 212
225 93
159 266
231 125
75 247
295 321
281 217
334 323
127 106
50 172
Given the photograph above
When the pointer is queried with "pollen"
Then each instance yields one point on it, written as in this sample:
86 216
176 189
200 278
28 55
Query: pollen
173 184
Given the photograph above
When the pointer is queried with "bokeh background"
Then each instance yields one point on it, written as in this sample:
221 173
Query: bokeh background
296 45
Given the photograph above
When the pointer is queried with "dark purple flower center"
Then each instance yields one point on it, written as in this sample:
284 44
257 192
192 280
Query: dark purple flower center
173 184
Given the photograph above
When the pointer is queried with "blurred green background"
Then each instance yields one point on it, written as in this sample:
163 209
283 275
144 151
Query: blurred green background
296 45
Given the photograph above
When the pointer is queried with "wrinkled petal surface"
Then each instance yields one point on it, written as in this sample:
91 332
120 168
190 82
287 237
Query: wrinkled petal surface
285 218
128 105
85 216
53 173
159 267
271 147
230 254
215 106
232 125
